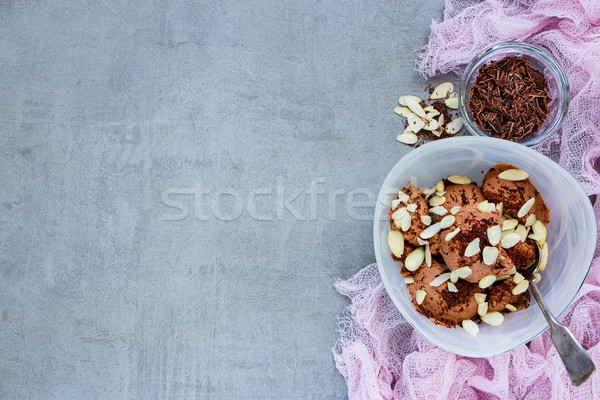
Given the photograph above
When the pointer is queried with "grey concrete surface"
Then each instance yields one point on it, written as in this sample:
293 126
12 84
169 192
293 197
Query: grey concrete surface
159 238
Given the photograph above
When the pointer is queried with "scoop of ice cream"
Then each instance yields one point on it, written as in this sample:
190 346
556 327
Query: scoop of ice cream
473 224
445 307
501 295
513 194
416 206
462 195
522 254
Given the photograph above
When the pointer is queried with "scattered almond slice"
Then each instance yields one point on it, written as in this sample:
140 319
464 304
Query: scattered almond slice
526 207
447 221
494 234
395 203
431 231
442 91
414 106
430 109
402 99
439 186
454 126
438 132
403 197
510 224
431 114
420 296
437 201
427 255
452 234
408 279
459 179
543 256
395 241
482 308
513 175
487 281
539 232
452 103
422 242
431 125
521 287
438 210
463 272
440 279
530 220
453 277
472 248
440 192
470 327
403 111
407 137
411 207
452 287
493 318
510 240
500 207
522 232
455 209
537 277
483 206
426 219
415 259
480 297
415 123
511 308
490 255
399 213
518 278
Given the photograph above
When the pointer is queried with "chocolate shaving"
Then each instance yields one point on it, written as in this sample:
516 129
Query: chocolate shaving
509 99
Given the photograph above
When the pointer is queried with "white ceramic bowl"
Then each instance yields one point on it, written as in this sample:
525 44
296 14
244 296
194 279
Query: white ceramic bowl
571 236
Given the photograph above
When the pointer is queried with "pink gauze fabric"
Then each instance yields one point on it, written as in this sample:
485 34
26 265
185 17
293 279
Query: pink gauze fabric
378 352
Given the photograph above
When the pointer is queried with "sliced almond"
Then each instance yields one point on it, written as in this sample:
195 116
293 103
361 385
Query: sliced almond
447 221
427 256
543 256
526 207
402 111
455 209
407 137
510 224
440 192
415 259
403 197
452 103
521 287
399 213
472 248
487 281
439 186
408 279
480 297
459 179
405 222
483 206
411 207
470 327
395 241
512 271
438 210
431 114
513 175
440 279
452 234
500 207
454 126
438 132
522 232
452 287
441 121
494 234
511 308
453 277
431 124
420 296
430 109
395 203
537 277
431 231
530 220
415 123
414 106
518 278
437 201
442 91
490 255
463 272
482 308
510 240
422 242
493 318
539 232
426 219
402 100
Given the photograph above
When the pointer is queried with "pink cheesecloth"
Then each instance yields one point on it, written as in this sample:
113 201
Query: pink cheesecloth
378 352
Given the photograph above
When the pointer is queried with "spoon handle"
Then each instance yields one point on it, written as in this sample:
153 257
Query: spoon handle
578 363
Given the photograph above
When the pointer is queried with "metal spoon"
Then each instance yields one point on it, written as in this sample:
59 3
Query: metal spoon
577 362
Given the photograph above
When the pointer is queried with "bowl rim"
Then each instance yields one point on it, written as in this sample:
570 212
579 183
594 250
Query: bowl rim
471 141
516 45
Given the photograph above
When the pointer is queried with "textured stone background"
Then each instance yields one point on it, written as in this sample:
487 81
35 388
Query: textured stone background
132 131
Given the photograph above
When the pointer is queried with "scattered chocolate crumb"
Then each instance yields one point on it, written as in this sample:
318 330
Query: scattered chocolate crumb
509 99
